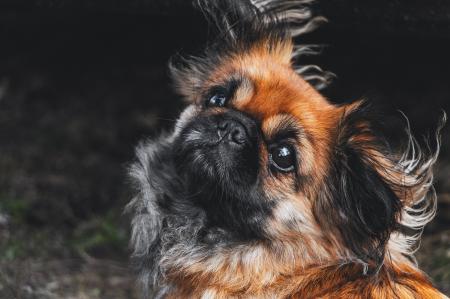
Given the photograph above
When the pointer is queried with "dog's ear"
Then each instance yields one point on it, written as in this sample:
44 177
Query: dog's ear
235 26
232 21
240 27
370 190
153 180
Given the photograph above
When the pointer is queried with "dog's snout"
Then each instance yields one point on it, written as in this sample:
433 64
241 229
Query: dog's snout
232 131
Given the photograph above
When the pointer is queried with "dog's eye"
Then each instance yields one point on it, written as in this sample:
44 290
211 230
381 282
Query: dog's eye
217 100
282 157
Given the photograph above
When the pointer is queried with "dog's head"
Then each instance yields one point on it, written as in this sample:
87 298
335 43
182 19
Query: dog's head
259 156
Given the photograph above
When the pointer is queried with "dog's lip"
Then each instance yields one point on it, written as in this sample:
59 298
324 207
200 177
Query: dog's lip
213 143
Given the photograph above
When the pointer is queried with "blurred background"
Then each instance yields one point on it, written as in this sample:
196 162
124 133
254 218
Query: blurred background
82 81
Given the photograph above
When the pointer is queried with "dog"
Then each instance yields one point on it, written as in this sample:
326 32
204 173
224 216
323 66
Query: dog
264 189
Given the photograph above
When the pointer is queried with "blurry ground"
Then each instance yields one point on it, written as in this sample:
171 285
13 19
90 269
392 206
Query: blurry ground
77 92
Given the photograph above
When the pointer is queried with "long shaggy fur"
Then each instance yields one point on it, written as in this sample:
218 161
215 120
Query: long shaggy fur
214 220
163 240
299 20
238 25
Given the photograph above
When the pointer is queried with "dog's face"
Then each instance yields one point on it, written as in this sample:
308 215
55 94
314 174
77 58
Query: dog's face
255 143
269 158
262 171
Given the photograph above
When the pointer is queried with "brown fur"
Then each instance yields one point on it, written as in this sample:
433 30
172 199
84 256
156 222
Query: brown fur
222 218
296 264
337 281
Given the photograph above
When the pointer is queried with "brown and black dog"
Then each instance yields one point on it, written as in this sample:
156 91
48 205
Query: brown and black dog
264 189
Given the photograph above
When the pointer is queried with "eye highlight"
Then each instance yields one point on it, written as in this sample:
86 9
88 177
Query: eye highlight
282 157
217 100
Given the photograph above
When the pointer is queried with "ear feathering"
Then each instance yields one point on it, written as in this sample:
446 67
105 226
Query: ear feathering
147 224
155 226
381 197
365 203
361 208
241 25
419 199
298 18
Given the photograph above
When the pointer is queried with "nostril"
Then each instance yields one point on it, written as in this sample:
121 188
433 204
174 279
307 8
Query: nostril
238 135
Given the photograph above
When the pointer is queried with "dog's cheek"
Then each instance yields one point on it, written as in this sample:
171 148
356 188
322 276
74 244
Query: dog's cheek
189 113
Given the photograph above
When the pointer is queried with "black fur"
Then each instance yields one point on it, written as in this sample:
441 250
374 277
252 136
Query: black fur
156 182
194 194
222 179
237 25
359 202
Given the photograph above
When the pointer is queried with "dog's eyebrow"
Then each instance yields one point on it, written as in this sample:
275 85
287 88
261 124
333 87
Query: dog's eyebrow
227 87
281 127
244 92
237 88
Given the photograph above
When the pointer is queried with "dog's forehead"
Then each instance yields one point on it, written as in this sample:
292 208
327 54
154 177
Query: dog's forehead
279 92
275 95
271 88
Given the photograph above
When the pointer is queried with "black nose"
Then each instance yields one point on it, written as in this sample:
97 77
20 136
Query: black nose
232 131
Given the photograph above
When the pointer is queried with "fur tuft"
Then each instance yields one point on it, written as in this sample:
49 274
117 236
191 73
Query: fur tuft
264 189
299 20
420 202
241 25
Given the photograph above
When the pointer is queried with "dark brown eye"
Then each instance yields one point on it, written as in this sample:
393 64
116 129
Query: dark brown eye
282 157
217 100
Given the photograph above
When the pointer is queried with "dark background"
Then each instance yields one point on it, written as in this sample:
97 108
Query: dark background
81 82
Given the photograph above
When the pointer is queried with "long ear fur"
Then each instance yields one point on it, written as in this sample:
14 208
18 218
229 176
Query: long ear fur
373 192
237 26
418 197
164 220
156 186
298 18
147 223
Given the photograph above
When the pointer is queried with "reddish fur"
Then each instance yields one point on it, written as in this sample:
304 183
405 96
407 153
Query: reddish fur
277 89
337 282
